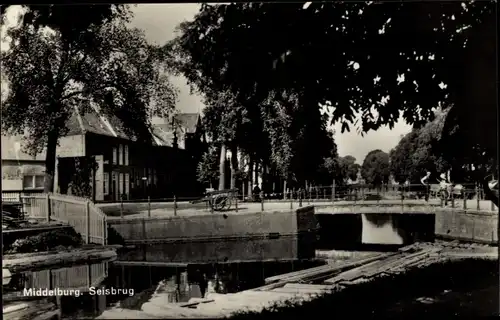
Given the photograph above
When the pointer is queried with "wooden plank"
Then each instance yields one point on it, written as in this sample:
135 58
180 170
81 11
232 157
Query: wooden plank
295 273
358 271
410 260
298 291
310 286
195 303
151 264
324 272
390 264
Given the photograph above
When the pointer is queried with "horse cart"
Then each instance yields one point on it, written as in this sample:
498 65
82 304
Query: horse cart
219 200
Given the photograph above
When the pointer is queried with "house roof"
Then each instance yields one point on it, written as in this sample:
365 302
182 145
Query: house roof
188 121
94 121
163 136
163 128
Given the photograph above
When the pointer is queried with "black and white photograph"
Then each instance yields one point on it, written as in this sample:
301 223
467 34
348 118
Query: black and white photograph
249 160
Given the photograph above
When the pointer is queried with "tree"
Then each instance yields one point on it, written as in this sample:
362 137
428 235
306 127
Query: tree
418 151
375 168
349 167
384 59
52 72
208 169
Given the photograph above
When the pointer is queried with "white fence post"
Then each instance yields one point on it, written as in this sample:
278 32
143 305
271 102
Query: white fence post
47 200
87 220
105 231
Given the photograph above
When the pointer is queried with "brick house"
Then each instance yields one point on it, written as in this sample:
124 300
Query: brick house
126 168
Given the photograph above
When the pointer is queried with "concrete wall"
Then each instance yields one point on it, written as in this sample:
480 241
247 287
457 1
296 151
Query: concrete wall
469 226
215 226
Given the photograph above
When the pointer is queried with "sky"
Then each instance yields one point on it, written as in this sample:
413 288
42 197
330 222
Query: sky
159 21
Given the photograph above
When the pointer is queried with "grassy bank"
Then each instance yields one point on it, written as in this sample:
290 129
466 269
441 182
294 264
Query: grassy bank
59 239
467 287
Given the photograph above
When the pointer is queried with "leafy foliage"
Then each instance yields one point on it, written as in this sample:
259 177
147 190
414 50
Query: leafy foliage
53 71
378 61
46 241
416 153
375 168
81 180
208 167
349 167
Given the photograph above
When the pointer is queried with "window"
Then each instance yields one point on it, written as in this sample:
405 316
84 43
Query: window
125 155
127 180
114 156
39 181
120 154
105 186
120 184
33 182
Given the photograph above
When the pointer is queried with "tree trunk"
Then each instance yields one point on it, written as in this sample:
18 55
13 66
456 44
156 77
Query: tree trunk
234 165
250 176
264 177
222 168
256 173
50 162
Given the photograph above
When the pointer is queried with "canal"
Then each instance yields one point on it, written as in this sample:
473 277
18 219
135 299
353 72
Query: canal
183 271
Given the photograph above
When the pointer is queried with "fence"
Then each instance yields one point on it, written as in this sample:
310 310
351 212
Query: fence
16 196
409 197
80 213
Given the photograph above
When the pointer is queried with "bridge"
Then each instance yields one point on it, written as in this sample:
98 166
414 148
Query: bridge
182 221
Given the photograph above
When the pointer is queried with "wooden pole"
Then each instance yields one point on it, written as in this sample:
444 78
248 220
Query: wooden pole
87 222
333 191
175 205
236 200
121 207
300 198
149 207
47 199
261 201
478 198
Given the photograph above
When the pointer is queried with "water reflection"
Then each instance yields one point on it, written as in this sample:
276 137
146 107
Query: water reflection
34 293
380 229
283 248
375 231
172 284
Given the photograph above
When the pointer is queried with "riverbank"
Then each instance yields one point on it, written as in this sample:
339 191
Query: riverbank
38 260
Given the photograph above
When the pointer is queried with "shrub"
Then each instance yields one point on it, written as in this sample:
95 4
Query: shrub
46 241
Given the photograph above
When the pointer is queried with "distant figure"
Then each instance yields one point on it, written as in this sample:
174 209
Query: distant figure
256 193
425 182
446 185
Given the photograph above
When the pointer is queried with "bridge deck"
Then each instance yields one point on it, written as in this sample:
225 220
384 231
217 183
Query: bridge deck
326 206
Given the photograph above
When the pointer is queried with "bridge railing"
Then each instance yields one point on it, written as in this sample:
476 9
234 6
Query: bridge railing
80 213
389 198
